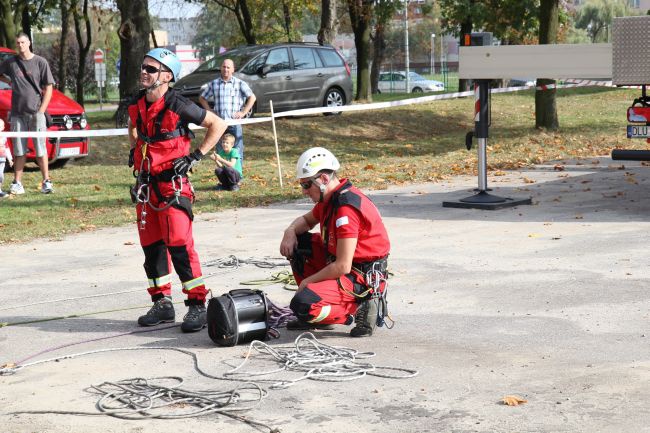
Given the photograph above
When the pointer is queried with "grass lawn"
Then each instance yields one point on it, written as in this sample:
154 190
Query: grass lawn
417 143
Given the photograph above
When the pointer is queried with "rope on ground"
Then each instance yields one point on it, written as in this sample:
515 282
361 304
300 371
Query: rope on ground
52 301
282 277
139 398
278 317
317 361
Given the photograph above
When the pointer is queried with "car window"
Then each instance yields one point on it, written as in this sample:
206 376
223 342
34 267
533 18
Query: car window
303 58
384 77
278 60
239 57
319 62
4 86
399 77
253 67
330 57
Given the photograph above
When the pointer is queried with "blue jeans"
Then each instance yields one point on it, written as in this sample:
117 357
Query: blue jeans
238 132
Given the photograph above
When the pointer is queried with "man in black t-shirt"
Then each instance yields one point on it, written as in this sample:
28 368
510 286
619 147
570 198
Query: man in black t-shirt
31 84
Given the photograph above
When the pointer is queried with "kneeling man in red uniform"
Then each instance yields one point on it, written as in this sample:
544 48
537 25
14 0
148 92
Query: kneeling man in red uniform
341 271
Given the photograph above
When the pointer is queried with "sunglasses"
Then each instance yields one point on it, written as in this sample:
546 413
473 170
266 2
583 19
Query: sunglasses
150 69
306 184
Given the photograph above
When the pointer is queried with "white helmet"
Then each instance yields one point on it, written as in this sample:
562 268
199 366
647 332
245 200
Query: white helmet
314 160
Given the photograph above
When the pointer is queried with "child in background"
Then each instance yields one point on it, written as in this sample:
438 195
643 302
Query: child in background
5 155
228 169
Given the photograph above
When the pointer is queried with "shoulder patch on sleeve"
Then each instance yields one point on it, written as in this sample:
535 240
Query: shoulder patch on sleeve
342 221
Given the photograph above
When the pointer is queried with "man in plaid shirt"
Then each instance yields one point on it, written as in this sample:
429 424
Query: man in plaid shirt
233 99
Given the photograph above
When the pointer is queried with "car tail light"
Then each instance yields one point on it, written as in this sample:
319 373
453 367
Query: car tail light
347 68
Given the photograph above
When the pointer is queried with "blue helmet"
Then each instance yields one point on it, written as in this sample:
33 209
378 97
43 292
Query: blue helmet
167 58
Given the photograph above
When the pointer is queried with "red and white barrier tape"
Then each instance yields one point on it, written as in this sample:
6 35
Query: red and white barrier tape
319 110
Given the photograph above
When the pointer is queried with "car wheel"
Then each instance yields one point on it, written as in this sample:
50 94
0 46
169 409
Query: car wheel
417 90
59 163
333 98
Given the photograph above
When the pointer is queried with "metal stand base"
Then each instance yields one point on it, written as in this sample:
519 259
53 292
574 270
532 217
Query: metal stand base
486 201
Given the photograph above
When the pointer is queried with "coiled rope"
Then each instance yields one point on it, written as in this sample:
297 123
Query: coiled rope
140 398
316 361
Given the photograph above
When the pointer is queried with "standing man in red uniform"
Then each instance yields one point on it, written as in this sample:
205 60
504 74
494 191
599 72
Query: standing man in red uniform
160 152
341 271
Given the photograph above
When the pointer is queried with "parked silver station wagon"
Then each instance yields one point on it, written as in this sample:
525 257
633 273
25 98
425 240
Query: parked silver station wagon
292 75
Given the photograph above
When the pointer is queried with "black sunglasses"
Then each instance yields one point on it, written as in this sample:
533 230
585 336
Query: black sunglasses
150 69
307 184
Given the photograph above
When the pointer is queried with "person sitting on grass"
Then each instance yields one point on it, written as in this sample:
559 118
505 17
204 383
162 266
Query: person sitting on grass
228 165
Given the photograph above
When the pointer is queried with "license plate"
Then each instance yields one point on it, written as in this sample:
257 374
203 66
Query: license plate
638 131
69 151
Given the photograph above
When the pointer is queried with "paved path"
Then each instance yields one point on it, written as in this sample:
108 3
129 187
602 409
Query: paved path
549 302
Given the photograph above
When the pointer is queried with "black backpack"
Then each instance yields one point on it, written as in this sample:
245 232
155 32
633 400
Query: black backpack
238 316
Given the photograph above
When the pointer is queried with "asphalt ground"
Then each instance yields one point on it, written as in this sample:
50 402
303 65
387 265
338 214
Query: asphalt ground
548 302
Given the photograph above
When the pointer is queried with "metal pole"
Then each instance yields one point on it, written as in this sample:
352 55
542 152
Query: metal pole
433 39
275 138
481 127
406 43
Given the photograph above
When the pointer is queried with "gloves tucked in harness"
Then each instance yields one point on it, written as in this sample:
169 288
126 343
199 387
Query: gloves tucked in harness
131 157
184 164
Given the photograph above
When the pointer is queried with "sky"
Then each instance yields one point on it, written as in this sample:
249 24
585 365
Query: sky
173 9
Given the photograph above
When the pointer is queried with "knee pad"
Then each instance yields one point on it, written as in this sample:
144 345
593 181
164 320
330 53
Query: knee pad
301 303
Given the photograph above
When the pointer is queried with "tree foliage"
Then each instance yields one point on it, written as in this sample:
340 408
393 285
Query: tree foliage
22 15
264 21
511 21
596 16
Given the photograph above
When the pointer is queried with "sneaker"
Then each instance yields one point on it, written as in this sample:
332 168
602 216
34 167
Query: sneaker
3 194
16 188
219 187
196 317
47 187
234 188
161 312
301 325
366 318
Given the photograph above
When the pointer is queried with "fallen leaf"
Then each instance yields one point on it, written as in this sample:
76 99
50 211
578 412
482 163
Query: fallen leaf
533 235
98 188
129 243
558 167
513 400
499 173
527 180
369 167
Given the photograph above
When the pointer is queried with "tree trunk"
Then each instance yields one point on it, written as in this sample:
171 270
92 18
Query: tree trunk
243 16
379 51
134 43
360 18
83 48
7 27
287 20
465 29
26 23
328 22
63 43
246 22
545 101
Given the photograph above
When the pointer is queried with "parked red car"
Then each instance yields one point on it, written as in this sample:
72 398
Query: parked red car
66 115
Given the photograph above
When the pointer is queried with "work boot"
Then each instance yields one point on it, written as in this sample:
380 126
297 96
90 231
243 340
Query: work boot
196 317
161 312
366 318
301 325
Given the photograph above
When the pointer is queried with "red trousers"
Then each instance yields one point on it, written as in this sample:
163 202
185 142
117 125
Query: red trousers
166 239
329 301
